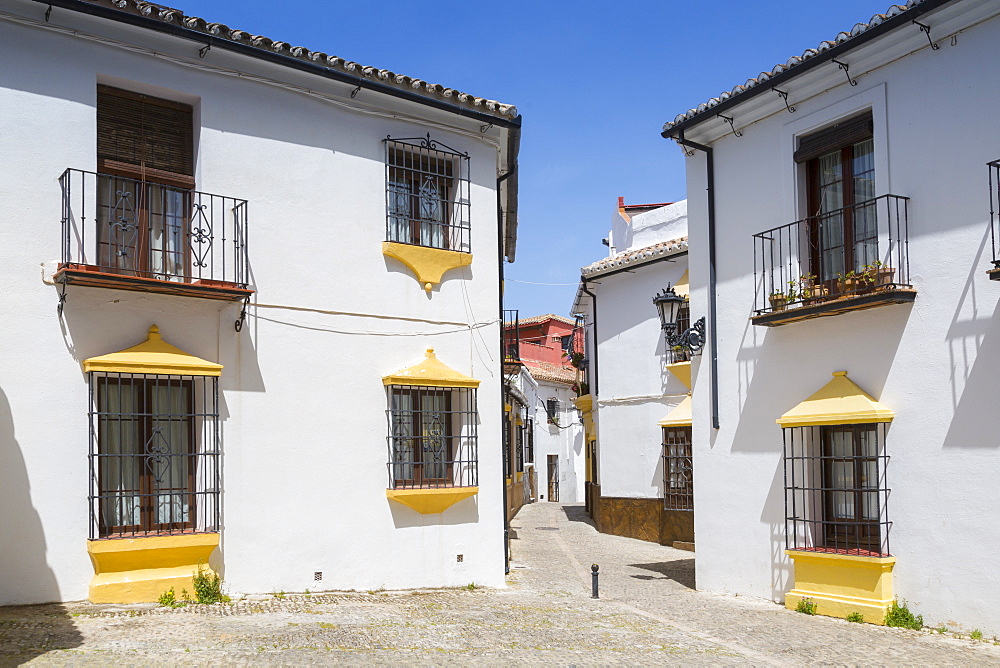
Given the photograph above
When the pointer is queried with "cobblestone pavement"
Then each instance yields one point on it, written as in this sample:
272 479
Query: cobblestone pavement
648 614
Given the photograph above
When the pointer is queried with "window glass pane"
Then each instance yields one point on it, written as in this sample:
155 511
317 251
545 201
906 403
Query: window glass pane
403 445
119 443
167 451
434 437
167 228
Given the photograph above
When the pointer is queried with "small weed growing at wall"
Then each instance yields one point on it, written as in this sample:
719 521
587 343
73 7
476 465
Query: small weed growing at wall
900 615
942 629
279 594
208 586
471 586
806 606
168 598
976 635
856 617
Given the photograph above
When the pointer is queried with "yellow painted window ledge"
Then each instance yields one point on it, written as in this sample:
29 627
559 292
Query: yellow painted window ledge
840 584
428 264
138 570
430 501
682 370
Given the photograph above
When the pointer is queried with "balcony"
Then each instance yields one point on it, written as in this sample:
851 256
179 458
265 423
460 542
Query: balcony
850 259
994 167
511 342
130 234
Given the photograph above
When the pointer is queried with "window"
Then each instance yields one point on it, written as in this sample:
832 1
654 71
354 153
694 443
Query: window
432 437
835 489
519 450
154 457
427 194
145 154
678 489
529 442
566 342
552 409
840 173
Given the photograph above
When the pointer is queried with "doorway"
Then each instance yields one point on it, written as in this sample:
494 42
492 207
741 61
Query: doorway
553 469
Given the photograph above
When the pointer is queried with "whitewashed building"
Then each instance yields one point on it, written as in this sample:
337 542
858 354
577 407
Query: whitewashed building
636 406
254 249
845 448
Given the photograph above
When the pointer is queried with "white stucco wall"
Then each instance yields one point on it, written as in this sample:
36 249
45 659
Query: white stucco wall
645 229
933 362
634 390
303 405
564 441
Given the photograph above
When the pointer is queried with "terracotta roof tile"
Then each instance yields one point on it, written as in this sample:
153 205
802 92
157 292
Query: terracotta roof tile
636 257
792 62
222 31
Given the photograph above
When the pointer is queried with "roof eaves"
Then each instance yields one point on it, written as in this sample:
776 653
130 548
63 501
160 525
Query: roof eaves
635 258
173 21
895 17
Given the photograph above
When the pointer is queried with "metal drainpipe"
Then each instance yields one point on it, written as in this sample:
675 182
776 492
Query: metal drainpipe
593 297
712 306
504 390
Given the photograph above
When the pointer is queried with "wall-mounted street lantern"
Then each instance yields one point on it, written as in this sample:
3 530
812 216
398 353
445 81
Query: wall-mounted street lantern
668 304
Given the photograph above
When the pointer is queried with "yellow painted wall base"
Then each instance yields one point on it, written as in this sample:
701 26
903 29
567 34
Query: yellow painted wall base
138 570
429 264
431 501
840 584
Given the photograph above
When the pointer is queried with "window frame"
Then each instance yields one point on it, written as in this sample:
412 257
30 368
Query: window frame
118 175
459 430
410 160
809 461
678 467
200 491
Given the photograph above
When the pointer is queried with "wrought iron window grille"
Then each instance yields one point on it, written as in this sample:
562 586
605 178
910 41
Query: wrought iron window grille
836 492
813 261
143 229
154 455
433 437
994 173
678 482
427 194
552 410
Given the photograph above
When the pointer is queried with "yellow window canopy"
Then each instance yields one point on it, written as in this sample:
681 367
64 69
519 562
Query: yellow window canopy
840 401
680 416
431 372
154 356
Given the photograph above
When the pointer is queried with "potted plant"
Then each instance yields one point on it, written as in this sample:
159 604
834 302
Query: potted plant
679 354
848 283
779 300
810 291
877 275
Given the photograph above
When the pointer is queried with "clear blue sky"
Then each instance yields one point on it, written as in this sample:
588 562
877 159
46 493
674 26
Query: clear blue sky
595 82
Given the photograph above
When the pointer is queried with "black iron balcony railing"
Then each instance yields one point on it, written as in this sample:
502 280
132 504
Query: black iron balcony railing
994 168
511 337
137 234
857 252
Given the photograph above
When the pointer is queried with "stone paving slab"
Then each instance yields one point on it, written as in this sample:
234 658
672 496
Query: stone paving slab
648 614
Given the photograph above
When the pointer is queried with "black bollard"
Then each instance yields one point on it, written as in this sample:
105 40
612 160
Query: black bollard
593 577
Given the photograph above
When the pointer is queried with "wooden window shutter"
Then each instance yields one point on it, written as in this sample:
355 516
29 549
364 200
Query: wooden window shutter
832 138
144 131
